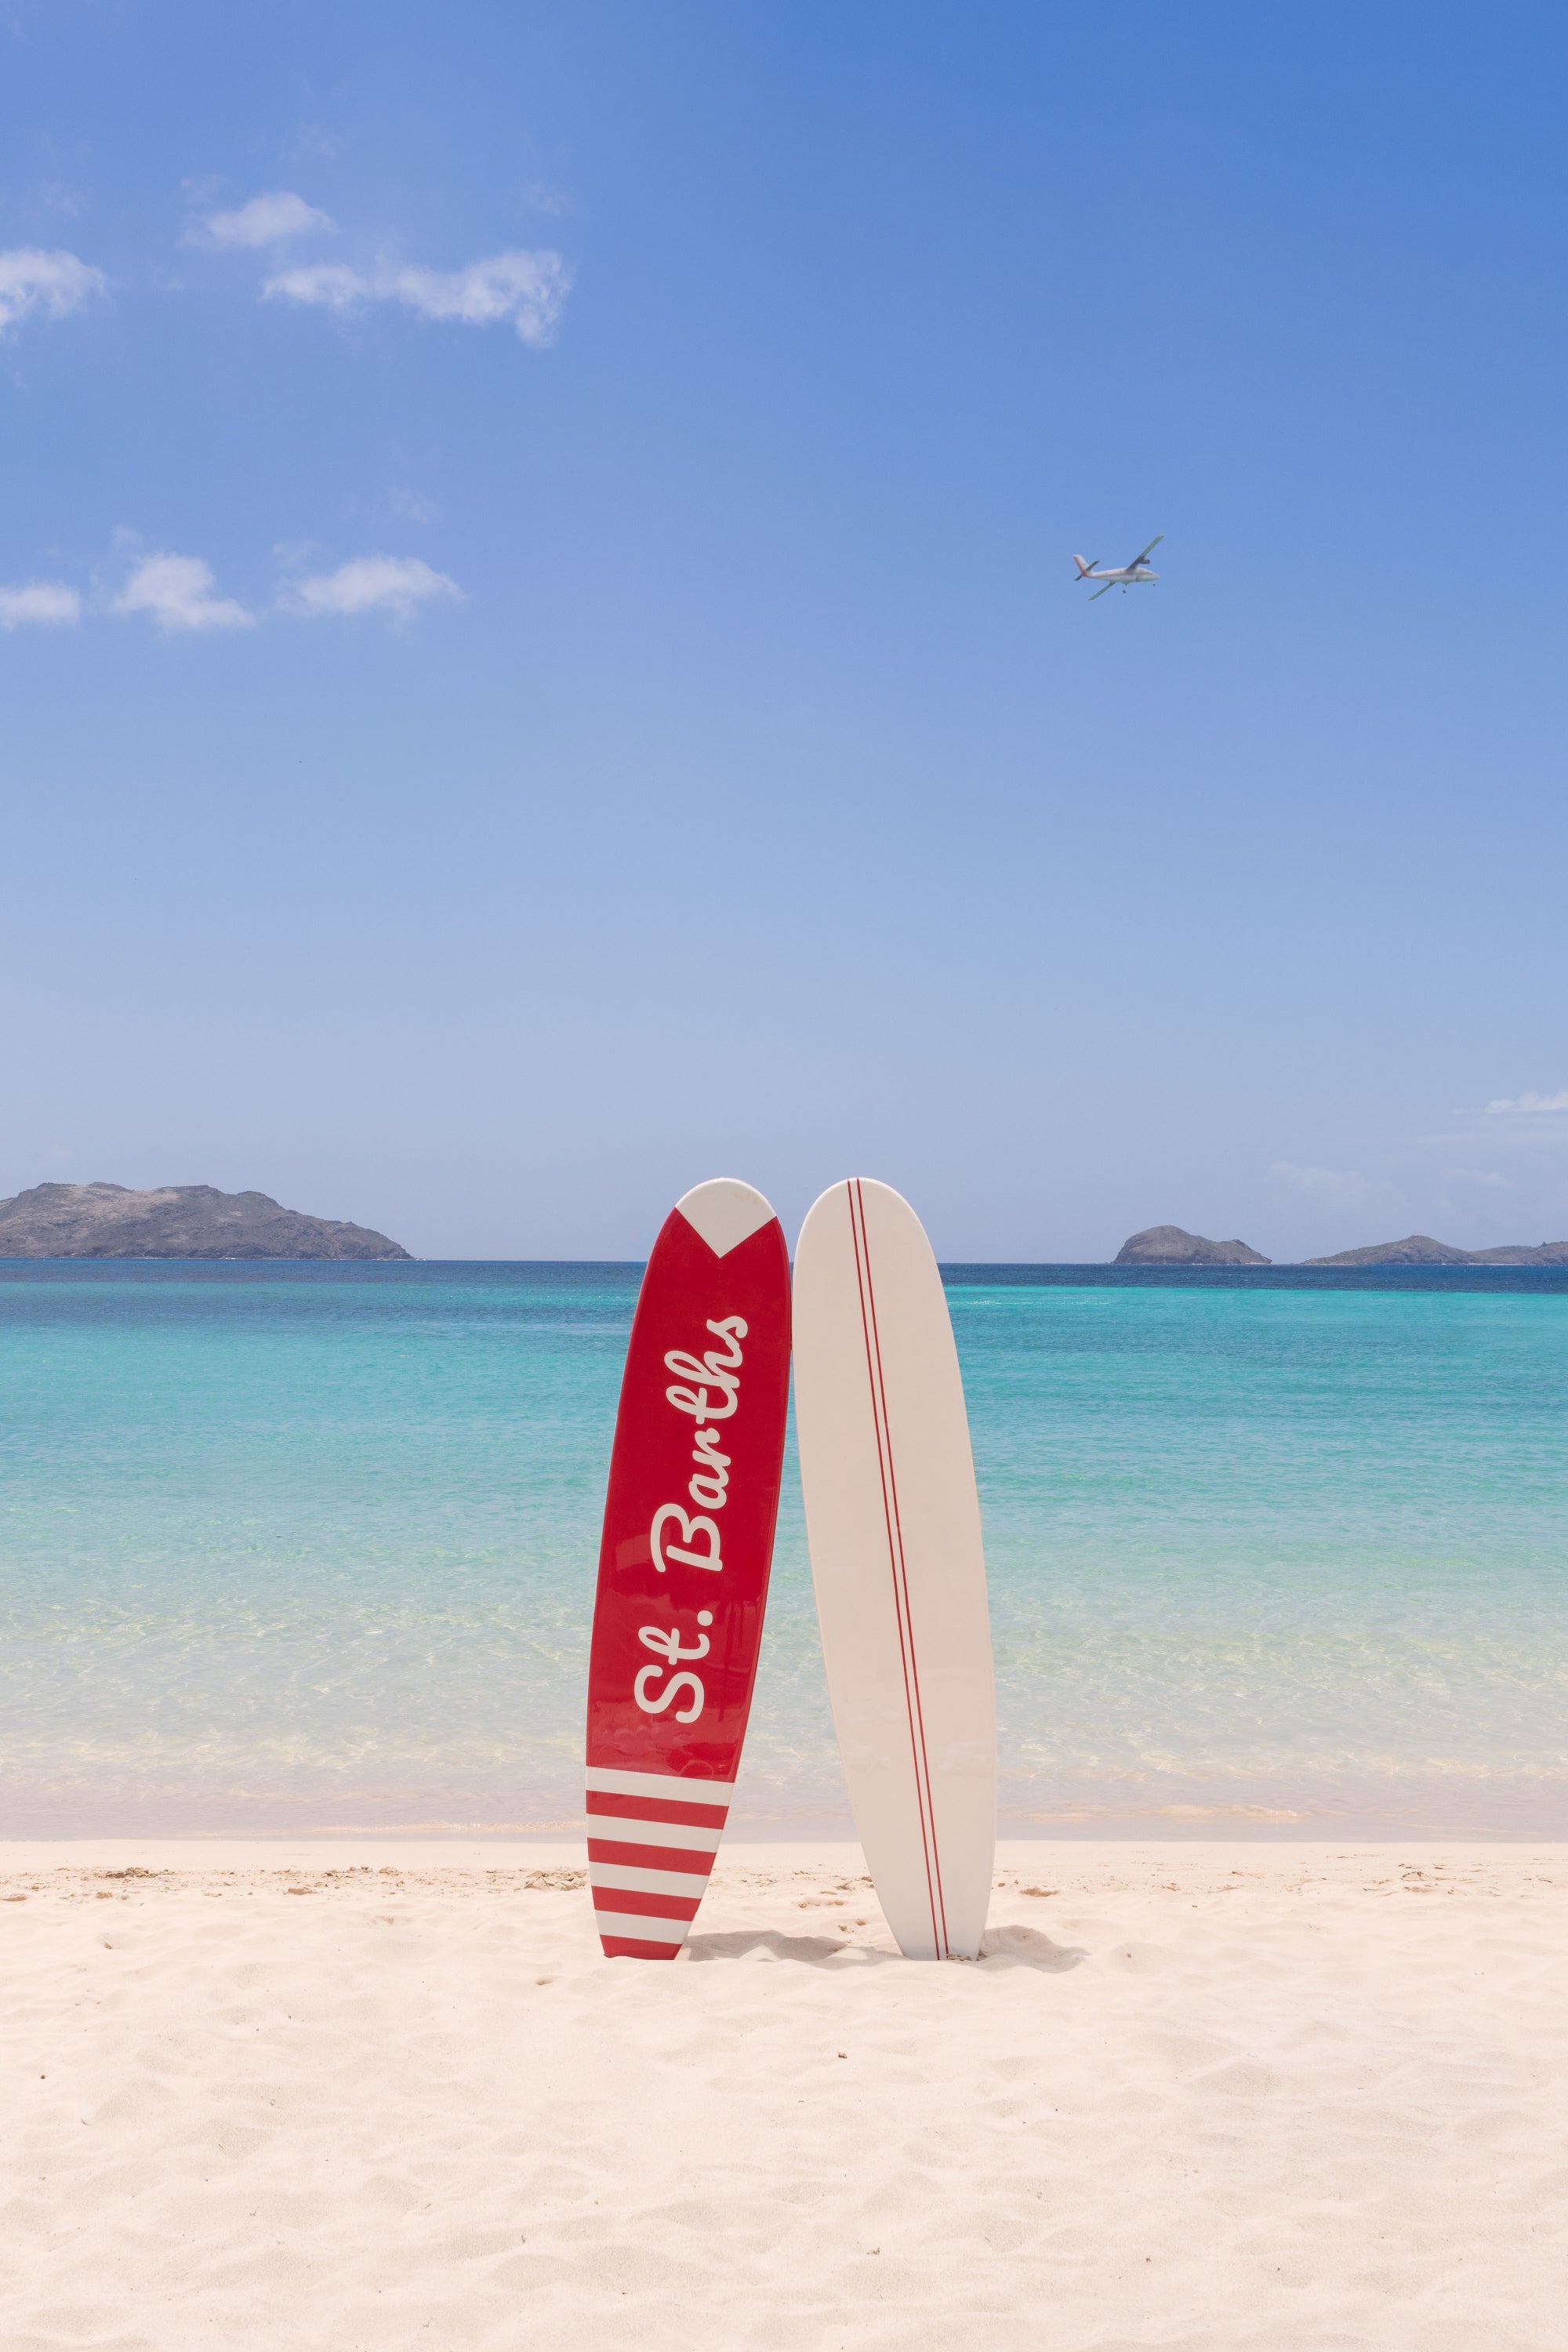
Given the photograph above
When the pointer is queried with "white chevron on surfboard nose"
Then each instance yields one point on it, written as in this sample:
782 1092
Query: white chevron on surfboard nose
725 1212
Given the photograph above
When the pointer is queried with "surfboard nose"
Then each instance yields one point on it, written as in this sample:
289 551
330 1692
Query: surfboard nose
725 1212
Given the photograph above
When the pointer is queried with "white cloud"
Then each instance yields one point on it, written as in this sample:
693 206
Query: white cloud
331 284
1531 1102
176 590
1344 1186
49 602
528 289
54 283
398 585
1485 1176
265 220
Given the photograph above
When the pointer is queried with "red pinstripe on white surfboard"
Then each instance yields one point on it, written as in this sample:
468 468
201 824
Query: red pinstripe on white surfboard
893 1520
897 1558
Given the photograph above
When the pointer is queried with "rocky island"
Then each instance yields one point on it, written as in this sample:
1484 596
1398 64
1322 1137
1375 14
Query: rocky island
1169 1246
173 1220
1420 1249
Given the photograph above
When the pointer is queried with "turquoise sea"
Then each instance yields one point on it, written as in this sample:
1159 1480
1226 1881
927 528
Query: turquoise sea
312 1547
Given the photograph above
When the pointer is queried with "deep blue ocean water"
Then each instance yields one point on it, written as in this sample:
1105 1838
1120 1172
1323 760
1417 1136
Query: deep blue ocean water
312 1547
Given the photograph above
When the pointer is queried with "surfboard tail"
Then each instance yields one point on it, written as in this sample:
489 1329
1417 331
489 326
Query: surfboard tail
652 1838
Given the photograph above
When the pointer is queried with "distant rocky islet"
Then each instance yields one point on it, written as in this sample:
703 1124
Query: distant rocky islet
1171 1245
182 1221
1420 1249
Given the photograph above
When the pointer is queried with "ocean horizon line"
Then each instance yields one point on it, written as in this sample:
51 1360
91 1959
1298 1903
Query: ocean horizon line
956 1272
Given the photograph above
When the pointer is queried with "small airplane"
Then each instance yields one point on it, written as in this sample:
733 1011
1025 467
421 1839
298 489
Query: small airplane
1130 575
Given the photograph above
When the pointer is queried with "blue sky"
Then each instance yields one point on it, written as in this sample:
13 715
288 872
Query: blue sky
540 660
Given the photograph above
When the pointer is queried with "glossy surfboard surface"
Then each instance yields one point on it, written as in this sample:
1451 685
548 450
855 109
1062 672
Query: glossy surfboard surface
683 1565
893 1521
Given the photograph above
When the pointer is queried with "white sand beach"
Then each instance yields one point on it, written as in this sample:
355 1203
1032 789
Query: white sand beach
373 2095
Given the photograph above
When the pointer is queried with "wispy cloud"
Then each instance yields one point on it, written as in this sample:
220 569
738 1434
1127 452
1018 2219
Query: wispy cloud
330 285
54 284
1485 1177
59 197
398 585
177 592
1530 1102
545 197
48 602
528 289
269 219
1343 1186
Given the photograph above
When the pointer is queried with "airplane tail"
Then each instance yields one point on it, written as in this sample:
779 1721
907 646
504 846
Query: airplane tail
1083 569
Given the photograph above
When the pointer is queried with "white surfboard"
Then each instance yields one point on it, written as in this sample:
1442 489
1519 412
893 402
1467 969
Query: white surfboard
894 1522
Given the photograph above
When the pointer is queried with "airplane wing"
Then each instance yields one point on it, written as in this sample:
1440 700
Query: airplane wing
1102 592
1149 550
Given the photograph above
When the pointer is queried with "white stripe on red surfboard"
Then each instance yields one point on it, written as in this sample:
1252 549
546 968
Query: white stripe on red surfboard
648 1906
620 1829
676 1908
602 1806
626 1926
646 1857
908 1659
675 1785
648 1882
628 1856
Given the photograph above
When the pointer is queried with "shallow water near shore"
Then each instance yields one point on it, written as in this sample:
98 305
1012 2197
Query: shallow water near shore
311 1547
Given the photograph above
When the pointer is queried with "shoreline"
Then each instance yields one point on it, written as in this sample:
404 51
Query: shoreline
1177 1828
479 1850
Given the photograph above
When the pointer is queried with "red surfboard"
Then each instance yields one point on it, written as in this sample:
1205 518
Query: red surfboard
683 1567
